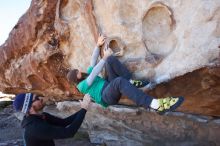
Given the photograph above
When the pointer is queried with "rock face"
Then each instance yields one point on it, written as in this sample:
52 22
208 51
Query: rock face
125 126
165 41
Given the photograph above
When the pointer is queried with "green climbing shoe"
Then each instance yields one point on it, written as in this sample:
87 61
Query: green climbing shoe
169 104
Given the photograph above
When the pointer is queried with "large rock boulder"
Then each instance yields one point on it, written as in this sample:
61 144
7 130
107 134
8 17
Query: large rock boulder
165 41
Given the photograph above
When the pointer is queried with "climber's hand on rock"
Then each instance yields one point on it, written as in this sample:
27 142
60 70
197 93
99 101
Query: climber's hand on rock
101 40
107 52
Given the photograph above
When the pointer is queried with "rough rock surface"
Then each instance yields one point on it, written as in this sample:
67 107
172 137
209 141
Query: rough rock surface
127 126
165 41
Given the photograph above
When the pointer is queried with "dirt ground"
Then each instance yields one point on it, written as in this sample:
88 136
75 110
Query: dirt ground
11 132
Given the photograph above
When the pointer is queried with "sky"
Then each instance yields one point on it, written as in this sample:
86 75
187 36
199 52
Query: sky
10 12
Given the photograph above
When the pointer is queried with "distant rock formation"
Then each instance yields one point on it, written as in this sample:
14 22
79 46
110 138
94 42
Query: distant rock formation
175 44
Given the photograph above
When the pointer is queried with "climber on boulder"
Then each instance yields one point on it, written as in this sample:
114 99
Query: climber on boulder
41 128
117 83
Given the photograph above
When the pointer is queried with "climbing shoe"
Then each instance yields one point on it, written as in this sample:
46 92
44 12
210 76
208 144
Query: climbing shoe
169 104
139 83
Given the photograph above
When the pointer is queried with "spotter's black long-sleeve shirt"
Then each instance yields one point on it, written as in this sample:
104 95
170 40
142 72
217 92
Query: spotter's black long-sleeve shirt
40 130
